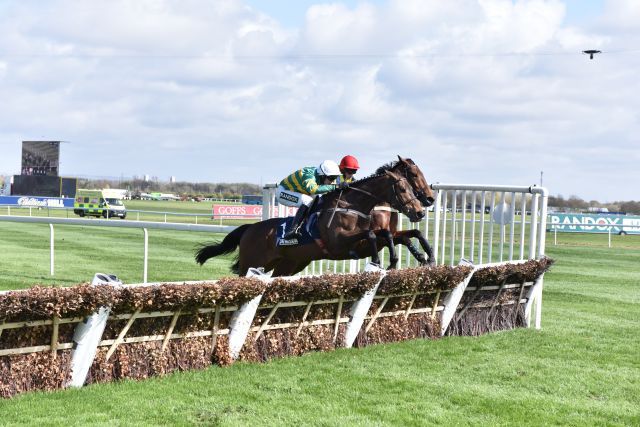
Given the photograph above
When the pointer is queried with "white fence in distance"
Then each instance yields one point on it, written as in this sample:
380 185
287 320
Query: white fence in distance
84 222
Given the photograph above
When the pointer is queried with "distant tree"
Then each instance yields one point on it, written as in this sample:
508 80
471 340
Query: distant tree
137 185
631 207
576 203
557 201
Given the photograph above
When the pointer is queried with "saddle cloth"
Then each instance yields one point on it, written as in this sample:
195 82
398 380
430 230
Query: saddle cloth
309 231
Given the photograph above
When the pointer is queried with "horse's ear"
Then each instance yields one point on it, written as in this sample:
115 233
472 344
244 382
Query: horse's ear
401 160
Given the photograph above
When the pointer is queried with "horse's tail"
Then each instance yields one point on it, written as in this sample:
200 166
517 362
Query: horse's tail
228 245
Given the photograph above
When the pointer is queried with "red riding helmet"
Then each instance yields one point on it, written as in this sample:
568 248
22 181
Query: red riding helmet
349 162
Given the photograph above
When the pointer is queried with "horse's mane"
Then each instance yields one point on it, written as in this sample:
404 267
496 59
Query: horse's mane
386 167
391 166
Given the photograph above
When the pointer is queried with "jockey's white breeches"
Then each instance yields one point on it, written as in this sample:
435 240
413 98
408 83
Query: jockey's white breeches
292 198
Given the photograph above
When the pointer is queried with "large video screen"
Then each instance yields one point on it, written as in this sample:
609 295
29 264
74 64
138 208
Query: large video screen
40 158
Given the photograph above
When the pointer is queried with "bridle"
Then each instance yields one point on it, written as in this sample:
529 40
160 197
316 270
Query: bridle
421 195
398 202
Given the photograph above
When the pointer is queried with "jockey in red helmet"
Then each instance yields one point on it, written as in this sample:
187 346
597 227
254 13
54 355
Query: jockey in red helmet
348 167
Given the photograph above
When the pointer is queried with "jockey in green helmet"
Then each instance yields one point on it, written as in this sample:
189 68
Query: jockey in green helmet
299 189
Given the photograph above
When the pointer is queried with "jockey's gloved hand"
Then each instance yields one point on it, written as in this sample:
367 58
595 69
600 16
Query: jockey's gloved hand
343 185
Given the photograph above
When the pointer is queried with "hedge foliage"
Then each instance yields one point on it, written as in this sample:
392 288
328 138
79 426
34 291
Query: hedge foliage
40 302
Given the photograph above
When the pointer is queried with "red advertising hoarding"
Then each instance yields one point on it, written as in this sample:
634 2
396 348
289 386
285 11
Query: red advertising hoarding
248 211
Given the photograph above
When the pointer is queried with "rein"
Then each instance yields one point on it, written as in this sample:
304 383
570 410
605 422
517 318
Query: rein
347 210
363 215
367 193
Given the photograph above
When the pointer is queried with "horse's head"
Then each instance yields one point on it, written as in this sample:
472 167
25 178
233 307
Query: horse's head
402 197
411 171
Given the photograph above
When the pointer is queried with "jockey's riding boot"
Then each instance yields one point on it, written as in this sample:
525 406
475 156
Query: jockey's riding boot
294 229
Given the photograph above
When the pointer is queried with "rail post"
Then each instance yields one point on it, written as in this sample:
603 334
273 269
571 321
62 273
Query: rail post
51 250
268 200
146 255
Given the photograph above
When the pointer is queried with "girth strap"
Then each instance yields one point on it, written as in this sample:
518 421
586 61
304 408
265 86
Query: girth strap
350 212
385 208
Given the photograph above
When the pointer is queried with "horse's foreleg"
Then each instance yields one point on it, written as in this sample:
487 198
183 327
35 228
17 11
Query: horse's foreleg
406 241
404 238
388 239
426 247
373 246
352 241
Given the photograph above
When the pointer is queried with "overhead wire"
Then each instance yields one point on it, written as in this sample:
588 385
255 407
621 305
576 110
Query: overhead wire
300 56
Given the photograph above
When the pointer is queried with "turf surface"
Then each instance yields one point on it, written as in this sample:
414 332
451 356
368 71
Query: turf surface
582 368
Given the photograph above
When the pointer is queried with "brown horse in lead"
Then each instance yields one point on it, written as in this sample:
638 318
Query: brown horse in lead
343 222
383 217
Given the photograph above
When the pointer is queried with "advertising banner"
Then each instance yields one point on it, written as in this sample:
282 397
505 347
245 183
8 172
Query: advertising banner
36 202
594 223
249 211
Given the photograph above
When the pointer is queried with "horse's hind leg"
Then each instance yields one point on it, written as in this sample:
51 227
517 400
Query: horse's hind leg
266 260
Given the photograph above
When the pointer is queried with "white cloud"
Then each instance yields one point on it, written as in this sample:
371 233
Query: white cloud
623 15
486 91
335 29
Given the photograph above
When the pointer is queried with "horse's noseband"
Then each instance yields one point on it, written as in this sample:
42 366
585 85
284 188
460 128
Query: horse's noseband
403 205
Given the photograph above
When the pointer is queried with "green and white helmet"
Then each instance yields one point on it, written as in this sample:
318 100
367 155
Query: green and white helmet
328 168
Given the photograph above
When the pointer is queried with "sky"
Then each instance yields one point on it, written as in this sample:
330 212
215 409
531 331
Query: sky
474 91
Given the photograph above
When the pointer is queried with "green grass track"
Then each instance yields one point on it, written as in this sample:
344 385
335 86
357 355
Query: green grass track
581 369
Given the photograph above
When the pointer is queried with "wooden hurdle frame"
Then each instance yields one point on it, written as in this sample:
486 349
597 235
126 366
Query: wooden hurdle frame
359 320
